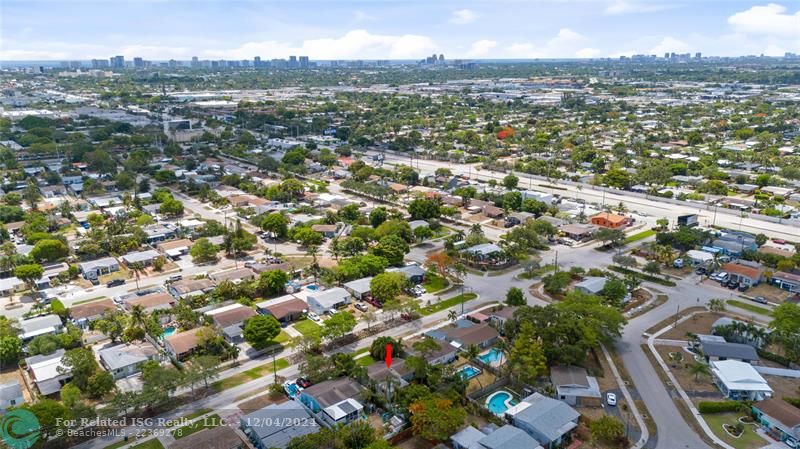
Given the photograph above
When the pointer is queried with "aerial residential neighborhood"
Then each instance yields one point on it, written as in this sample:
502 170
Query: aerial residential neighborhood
422 252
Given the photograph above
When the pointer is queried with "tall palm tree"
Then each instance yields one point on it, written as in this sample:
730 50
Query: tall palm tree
138 316
138 271
452 315
472 352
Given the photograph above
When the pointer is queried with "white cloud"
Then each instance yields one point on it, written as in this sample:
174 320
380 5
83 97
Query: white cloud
481 48
669 45
361 16
768 20
355 44
588 53
566 44
463 17
617 7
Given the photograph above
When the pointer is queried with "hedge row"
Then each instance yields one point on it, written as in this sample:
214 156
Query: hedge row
718 407
642 276
771 356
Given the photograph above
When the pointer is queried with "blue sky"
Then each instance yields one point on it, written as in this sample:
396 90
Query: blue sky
383 29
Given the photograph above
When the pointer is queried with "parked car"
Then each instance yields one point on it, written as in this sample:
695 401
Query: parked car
720 276
419 290
314 317
94 281
760 300
361 306
115 282
743 287
302 382
732 284
175 278
701 270
331 312
611 399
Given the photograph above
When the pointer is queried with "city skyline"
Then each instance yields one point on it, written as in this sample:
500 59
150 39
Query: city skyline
558 29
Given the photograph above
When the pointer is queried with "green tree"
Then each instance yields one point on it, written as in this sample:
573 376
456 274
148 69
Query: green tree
203 251
81 364
614 291
377 216
171 207
424 209
510 182
786 326
515 297
422 233
49 250
29 274
761 239
100 384
608 429
276 224
699 369
272 282
527 360
387 286
52 416
393 248
260 330
436 418
556 283
339 325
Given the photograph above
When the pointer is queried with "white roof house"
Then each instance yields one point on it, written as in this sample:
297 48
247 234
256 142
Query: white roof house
10 284
144 257
44 372
47 324
319 302
739 380
699 257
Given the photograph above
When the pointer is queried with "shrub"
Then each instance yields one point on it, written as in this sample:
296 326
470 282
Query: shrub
771 356
718 406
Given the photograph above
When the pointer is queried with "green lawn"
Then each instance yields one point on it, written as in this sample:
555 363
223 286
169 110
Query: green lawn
748 439
752 308
434 283
89 300
308 328
640 236
283 337
447 303
202 423
251 374
361 351
367 360
194 415
537 272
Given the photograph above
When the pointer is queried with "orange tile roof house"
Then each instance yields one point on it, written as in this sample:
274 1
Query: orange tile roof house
608 220
83 314
155 301
182 345
744 274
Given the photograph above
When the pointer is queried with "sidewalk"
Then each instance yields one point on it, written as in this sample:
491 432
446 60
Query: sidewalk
645 434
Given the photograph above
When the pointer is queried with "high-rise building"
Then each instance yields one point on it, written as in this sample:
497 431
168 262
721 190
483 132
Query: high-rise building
195 62
441 59
99 64
303 62
666 55
257 62
698 55
118 62
292 62
138 62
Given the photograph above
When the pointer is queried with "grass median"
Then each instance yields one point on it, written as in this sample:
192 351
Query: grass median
447 303
750 307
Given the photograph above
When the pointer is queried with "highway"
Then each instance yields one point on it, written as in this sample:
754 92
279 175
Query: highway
652 207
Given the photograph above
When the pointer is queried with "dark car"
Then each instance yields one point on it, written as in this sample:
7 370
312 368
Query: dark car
743 287
303 382
700 270
115 282
732 285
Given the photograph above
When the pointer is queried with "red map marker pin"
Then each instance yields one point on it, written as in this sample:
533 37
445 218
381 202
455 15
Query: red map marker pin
388 355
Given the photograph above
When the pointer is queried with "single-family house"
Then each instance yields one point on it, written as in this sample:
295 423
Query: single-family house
125 359
575 387
547 420
714 350
40 325
181 345
446 353
592 285
229 320
739 381
334 402
145 258
480 335
779 419
483 251
285 310
93 269
400 375
235 275
187 288
152 302
44 371
609 220
578 232
158 233
498 318
321 301
83 314
491 437
276 425
174 249
744 272
697 257
11 285
220 437
360 288
327 230
414 273
787 281
10 395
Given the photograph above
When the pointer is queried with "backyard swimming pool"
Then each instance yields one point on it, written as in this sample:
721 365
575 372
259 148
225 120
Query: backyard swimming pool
500 401
468 372
313 288
168 331
492 357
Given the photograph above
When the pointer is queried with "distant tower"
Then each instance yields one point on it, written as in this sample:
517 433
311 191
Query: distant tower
666 55
441 59
257 62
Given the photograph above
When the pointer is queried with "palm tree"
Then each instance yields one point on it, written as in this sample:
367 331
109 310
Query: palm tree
452 315
621 208
699 369
472 352
138 316
716 305
138 270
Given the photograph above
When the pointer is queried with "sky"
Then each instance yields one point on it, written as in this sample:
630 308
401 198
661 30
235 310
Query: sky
387 29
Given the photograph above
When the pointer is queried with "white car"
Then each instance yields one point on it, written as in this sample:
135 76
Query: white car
314 317
611 399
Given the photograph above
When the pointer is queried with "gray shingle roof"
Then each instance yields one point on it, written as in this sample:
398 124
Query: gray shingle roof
729 350
509 437
275 425
547 416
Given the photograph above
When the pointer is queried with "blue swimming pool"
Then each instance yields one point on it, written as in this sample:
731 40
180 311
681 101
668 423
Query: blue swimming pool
313 288
499 402
468 372
493 356
168 331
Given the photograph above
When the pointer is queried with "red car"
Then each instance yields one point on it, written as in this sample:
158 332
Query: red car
303 382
